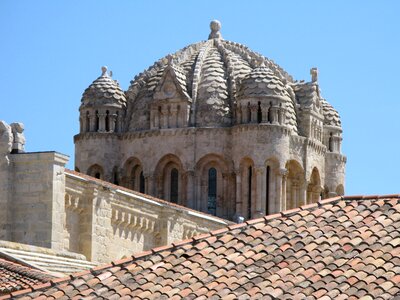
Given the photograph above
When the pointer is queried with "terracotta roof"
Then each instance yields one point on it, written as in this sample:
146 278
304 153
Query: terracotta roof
15 276
340 248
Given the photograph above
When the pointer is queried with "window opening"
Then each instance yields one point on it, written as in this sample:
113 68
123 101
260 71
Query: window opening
174 186
249 193
212 191
141 182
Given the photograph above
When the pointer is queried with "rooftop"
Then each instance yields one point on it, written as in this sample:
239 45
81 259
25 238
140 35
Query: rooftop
339 248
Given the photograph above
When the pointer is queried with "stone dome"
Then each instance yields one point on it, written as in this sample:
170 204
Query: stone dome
331 116
104 90
213 71
261 83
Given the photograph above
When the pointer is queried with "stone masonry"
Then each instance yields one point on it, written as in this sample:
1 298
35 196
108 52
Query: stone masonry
43 204
216 127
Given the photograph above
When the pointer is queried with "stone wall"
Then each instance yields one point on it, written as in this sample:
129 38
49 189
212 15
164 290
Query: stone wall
305 163
36 206
110 222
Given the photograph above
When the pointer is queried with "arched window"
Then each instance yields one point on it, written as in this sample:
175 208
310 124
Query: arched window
174 186
267 189
259 113
141 183
96 171
115 176
107 121
250 177
269 115
97 122
212 191
87 120
330 143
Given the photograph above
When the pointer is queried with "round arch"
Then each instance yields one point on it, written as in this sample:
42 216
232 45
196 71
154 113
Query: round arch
133 177
170 181
248 188
295 184
96 171
215 197
273 181
314 186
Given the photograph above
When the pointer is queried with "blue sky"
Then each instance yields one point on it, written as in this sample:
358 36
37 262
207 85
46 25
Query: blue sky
52 50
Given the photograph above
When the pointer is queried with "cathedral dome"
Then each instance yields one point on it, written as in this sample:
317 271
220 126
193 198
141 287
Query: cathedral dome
103 91
212 72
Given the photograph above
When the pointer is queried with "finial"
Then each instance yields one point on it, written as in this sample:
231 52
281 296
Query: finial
103 70
314 74
110 73
170 59
215 27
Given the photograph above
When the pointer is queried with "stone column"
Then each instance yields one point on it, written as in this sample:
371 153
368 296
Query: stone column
225 189
303 193
149 184
253 109
203 195
260 191
283 173
102 122
92 118
238 115
275 110
264 113
174 117
239 200
190 189
113 120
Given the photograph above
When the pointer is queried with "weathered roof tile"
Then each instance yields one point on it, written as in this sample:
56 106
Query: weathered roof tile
338 253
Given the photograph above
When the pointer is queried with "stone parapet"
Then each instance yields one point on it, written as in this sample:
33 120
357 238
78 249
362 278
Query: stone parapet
104 221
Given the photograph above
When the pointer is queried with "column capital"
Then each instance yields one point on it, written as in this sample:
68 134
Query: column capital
260 169
282 172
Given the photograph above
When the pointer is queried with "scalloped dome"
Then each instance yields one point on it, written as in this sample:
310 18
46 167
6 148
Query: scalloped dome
104 90
331 116
262 82
213 70
213 74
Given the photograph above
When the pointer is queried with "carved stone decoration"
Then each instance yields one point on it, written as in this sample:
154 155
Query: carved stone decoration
19 138
6 138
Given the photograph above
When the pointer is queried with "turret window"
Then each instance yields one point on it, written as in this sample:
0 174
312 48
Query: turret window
107 121
259 113
97 124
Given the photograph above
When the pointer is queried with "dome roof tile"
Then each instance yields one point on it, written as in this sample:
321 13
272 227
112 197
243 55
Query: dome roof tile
105 90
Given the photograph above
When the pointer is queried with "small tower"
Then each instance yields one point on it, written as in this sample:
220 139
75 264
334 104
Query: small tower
103 105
